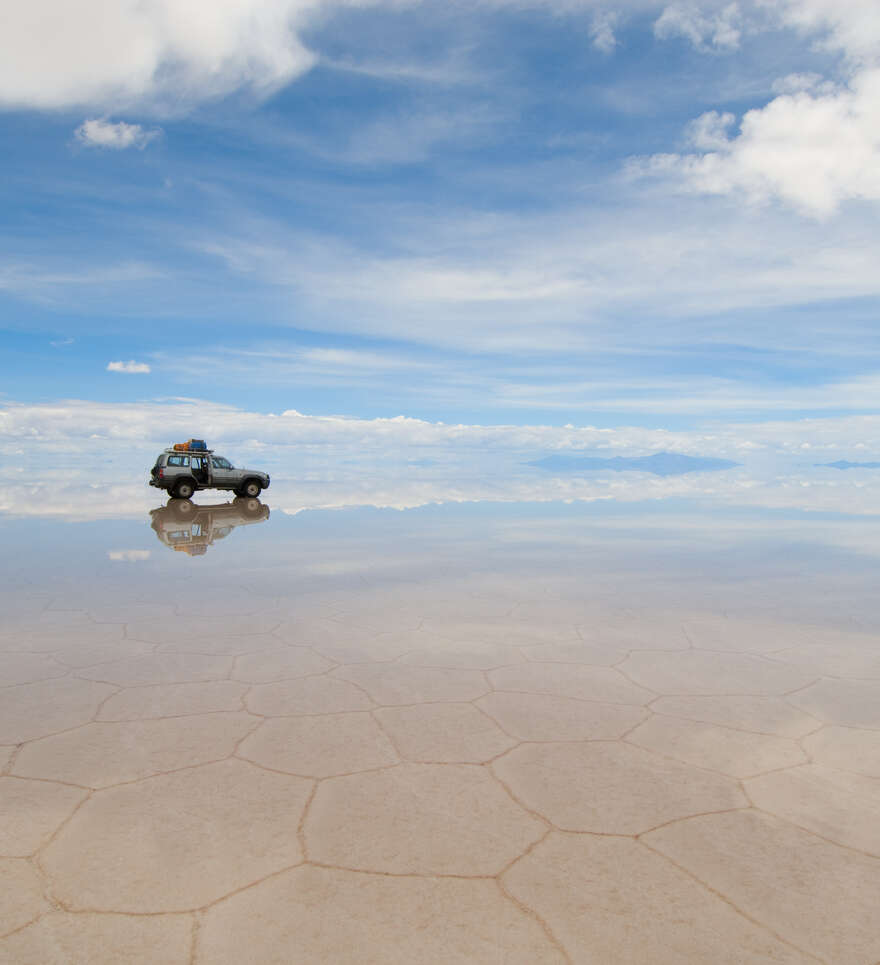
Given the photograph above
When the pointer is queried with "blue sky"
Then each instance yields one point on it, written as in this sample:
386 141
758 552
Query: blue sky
653 214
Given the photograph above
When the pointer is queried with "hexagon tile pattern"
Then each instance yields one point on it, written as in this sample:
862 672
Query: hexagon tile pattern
444 777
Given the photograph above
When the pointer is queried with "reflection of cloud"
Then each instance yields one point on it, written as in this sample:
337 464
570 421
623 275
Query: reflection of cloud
374 481
660 464
128 556
131 367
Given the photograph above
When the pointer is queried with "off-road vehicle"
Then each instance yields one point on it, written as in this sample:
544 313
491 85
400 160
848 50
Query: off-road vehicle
182 472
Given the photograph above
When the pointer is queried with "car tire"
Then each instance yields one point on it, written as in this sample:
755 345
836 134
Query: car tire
184 490
251 489
181 508
249 508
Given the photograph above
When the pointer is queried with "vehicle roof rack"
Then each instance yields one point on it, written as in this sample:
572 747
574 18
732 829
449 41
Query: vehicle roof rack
186 452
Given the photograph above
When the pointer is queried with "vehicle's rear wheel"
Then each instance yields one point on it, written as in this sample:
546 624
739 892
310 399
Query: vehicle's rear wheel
251 489
183 490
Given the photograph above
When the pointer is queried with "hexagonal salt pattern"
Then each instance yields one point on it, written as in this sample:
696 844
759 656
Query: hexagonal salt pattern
178 841
611 788
444 733
65 939
321 745
418 819
816 895
445 773
724 749
320 915
21 895
103 754
697 672
31 811
611 900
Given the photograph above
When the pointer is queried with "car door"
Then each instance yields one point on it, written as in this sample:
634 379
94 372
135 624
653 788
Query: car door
222 473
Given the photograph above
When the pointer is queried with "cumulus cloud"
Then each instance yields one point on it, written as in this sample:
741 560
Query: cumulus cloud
161 52
814 151
814 146
852 26
97 132
130 367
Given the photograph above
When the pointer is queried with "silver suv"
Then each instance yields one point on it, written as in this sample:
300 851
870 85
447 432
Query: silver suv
181 473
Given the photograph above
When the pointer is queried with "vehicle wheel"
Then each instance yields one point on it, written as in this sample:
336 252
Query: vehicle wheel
183 490
181 508
251 508
251 489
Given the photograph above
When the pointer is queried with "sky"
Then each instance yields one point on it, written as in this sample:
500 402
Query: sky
630 217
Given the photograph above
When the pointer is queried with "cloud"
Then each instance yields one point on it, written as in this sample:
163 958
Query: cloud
817 144
118 136
713 30
602 31
128 556
77 426
813 151
852 26
131 367
162 53
48 452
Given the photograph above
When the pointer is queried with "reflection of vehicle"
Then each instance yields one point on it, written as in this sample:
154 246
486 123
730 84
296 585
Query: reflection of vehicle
189 528
181 473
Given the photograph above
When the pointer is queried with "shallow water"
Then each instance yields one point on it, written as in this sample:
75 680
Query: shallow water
605 731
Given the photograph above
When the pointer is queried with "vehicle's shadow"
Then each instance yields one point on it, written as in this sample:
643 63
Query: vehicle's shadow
187 527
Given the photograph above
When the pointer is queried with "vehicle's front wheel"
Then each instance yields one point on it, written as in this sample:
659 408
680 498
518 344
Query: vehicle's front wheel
181 508
251 489
183 490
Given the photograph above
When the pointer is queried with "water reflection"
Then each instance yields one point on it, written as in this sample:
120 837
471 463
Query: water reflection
706 682
188 527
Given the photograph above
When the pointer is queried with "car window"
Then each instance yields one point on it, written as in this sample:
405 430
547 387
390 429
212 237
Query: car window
222 463
178 460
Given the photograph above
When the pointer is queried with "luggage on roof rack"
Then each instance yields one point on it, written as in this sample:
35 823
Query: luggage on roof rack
191 445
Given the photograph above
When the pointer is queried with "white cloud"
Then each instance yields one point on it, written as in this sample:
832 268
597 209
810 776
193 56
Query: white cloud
128 556
47 455
602 31
169 53
814 151
705 29
77 426
118 136
817 144
852 26
131 367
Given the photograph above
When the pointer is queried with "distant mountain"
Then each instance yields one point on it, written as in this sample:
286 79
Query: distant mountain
845 464
660 464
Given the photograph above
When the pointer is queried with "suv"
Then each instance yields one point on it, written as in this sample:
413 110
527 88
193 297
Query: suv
181 473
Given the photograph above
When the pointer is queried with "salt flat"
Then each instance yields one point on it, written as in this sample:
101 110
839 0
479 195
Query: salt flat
467 754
